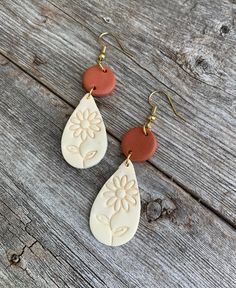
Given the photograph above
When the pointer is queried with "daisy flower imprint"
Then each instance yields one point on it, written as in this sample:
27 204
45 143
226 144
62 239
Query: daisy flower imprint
121 193
86 124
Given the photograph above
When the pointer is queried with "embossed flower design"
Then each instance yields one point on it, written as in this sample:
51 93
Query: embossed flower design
86 124
121 193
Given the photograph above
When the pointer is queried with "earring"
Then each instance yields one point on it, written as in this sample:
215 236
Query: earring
115 213
84 139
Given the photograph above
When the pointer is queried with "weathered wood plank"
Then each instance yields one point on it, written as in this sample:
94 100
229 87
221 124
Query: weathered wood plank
193 56
45 205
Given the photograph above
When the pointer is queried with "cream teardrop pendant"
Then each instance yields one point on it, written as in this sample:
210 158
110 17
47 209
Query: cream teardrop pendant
84 139
115 213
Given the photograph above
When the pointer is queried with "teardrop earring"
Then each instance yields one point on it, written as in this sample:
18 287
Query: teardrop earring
84 139
115 213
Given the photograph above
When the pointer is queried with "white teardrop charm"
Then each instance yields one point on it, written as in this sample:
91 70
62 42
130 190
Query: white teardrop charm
84 139
115 213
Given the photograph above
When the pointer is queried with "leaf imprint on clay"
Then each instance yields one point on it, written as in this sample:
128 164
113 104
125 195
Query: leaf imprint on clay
115 213
90 155
84 139
103 219
120 231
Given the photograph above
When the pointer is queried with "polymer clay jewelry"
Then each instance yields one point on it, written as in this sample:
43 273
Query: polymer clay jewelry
84 139
115 213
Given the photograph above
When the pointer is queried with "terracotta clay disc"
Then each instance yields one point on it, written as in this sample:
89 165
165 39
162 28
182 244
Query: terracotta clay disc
103 82
142 146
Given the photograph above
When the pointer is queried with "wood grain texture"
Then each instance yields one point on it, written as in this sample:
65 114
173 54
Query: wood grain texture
185 46
45 204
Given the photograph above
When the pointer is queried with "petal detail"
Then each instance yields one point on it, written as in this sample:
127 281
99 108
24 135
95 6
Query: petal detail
132 192
123 181
130 184
116 182
86 114
96 121
111 201
92 116
110 186
74 127
79 115
117 205
75 121
109 194
95 127
130 199
125 204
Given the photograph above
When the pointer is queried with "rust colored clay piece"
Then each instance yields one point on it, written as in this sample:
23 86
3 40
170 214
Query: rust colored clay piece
103 82
142 146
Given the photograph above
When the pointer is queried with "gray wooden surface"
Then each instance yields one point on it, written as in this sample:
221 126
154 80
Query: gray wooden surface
186 237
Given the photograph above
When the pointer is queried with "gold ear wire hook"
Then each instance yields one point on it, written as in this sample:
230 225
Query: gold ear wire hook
102 54
152 117
171 104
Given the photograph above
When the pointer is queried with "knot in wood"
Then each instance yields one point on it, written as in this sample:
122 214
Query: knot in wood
202 63
153 211
224 29
14 259
168 206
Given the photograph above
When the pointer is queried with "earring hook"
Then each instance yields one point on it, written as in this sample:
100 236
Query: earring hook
102 55
152 117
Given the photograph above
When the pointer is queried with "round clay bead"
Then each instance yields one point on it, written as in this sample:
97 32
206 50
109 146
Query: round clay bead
142 146
103 82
